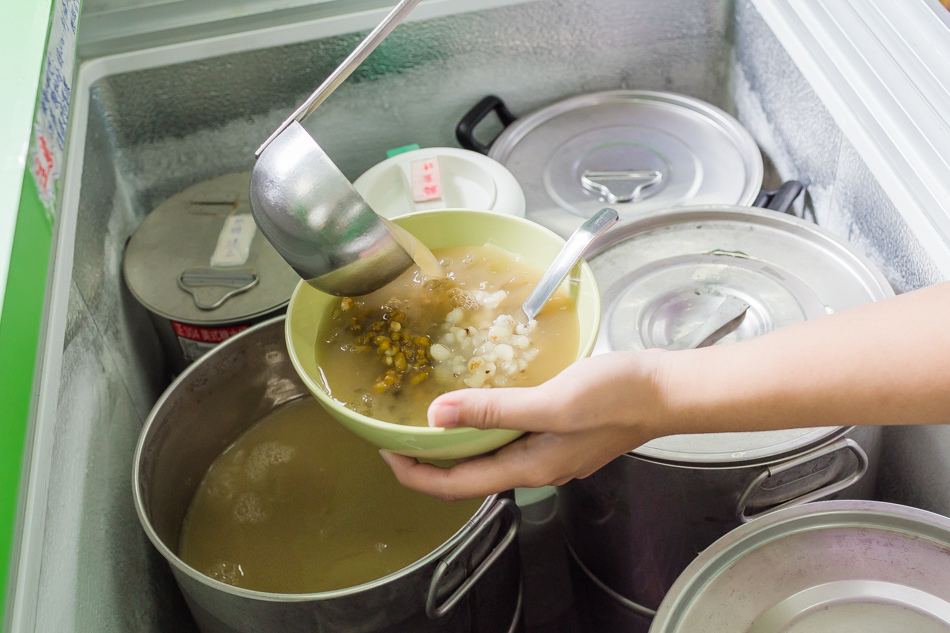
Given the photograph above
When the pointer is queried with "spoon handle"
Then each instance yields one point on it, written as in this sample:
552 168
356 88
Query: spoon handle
338 76
573 250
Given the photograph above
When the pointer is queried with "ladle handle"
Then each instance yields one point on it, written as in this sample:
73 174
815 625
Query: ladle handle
573 250
338 76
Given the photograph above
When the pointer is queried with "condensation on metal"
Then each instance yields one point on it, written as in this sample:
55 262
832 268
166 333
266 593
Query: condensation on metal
794 129
787 118
414 88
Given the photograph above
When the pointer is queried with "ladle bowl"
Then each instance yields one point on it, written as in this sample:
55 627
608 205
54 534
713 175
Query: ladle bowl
316 220
310 211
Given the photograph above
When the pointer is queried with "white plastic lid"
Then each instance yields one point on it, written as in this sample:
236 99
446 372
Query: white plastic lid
468 180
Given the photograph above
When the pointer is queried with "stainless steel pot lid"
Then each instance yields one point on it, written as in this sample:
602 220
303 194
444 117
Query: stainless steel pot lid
665 275
844 566
197 257
636 150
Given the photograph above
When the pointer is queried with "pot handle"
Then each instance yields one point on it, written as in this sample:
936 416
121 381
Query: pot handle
814 495
465 130
780 199
434 610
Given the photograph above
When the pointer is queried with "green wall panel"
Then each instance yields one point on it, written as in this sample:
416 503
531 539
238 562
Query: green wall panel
19 337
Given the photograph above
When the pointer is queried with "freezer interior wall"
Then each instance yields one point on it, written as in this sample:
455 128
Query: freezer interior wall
152 132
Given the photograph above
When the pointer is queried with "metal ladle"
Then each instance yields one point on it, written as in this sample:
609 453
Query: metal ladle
573 250
307 208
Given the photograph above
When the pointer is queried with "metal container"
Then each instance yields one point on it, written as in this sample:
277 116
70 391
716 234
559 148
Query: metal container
199 267
847 566
636 150
635 524
471 583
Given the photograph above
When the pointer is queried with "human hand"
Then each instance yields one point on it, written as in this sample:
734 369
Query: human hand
595 410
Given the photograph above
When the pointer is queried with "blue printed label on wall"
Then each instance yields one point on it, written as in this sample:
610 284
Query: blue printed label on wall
52 112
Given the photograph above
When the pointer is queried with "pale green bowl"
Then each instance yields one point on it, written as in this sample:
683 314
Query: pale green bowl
440 229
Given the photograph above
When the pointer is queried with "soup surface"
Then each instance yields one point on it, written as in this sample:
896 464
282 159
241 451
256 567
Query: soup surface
298 504
388 354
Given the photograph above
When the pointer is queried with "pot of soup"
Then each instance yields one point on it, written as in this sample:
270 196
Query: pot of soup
274 517
635 524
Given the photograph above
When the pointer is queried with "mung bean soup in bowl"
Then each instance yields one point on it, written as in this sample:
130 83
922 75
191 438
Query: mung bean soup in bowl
377 361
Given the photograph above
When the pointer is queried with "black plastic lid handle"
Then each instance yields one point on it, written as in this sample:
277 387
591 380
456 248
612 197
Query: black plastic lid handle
780 199
465 130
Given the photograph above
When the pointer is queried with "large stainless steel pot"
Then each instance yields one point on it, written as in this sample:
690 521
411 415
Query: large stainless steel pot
471 583
635 150
634 525
843 566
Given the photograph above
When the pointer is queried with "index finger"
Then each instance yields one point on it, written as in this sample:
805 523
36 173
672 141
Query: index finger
530 409
525 463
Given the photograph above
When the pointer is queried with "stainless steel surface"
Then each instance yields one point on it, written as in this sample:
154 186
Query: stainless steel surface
318 222
773 475
637 523
620 186
847 566
194 306
140 132
573 250
235 281
180 235
725 319
345 69
621 600
476 571
310 211
675 150
664 274
436 609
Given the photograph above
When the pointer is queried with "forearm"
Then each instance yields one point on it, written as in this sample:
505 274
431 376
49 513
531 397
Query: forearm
883 363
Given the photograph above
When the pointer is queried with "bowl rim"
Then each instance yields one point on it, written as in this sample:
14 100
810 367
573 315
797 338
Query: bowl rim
324 398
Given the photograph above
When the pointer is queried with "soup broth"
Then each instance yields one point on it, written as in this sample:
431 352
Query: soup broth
390 353
298 504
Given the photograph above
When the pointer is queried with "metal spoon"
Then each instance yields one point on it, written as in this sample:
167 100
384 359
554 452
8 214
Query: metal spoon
307 208
573 250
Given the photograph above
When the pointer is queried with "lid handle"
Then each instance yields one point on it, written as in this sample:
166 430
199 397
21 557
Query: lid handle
620 186
780 199
237 279
465 130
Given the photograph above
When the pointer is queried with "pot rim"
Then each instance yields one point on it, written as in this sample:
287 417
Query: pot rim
179 565
833 434
502 147
811 517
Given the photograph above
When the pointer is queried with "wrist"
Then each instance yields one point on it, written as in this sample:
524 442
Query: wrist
679 383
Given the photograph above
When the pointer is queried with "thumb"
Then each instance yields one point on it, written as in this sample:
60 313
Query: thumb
531 409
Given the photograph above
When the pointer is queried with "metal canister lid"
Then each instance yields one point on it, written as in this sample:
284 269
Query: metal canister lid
860 566
178 263
664 276
636 150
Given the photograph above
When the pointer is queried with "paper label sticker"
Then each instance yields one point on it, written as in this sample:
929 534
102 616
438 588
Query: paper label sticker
234 241
195 341
426 180
52 111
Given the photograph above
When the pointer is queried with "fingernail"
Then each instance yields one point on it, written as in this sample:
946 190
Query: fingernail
445 416
386 455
